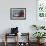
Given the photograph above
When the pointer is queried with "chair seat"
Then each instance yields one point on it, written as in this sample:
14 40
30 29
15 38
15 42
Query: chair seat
9 34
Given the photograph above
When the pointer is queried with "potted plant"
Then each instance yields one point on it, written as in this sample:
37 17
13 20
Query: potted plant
39 35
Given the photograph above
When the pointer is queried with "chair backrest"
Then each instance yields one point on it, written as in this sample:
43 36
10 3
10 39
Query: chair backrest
14 30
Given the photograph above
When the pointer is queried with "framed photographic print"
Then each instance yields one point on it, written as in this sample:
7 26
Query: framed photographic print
17 13
41 8
41 12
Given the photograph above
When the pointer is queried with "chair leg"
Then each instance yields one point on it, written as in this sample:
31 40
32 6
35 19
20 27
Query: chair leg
5 43
5 40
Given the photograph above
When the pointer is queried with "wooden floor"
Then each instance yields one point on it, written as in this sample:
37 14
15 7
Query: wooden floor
13 44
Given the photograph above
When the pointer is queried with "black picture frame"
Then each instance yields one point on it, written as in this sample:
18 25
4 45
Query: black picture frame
17 13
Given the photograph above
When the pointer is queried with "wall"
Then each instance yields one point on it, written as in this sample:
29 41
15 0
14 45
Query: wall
24 25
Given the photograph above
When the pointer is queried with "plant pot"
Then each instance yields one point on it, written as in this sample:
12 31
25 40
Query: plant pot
40 41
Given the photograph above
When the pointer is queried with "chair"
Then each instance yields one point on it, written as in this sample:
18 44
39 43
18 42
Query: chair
26 41
14 32
7 35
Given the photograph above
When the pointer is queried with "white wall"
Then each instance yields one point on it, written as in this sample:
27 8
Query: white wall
24 25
